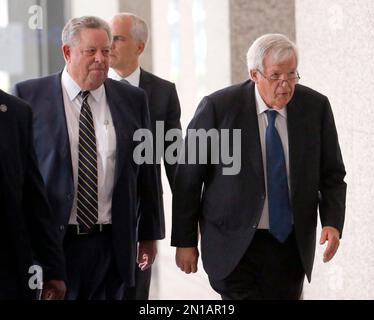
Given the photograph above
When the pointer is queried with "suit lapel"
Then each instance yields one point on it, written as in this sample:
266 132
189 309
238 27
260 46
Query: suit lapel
117 109
56 100
55 119
251 134
145 83
296 134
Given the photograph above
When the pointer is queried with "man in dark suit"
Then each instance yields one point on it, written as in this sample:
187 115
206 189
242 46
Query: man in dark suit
258 227
29 233
104 200
130 35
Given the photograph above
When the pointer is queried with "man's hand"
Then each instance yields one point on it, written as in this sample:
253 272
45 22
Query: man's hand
186 259
332 236
147 252
53 290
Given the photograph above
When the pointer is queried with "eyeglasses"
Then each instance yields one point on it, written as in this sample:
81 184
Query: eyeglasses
292 77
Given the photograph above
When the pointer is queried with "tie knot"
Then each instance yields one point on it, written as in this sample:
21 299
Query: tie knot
271 114
84 95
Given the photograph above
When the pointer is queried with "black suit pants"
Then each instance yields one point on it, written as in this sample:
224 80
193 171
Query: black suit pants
92 273
269 270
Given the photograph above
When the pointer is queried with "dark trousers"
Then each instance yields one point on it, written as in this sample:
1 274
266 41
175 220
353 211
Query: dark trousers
269 270
142 284
92 273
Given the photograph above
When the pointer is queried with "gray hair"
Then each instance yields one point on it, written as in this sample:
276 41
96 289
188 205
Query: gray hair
139 28
74 26
273 43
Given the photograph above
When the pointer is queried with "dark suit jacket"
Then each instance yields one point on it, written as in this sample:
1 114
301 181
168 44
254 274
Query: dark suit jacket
163 106
229 208
25 214
135 186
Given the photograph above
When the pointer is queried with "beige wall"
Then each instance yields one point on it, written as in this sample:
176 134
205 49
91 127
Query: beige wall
142 8
251 19
336 42
102 9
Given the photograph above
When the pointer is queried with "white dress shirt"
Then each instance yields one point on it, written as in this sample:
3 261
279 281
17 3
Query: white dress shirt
281 125
105 143
133 78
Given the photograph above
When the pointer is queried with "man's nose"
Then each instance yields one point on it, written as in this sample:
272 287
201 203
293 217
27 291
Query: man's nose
284 82
99 56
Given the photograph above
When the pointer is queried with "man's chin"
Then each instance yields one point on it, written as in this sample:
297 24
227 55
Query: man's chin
280 103
96 82
98 72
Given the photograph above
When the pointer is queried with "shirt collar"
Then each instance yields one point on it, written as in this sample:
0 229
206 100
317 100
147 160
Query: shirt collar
133 78
73 89
262 107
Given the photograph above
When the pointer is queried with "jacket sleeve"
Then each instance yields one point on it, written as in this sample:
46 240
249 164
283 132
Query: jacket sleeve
151 224
172 122
189 181
332 188
41 223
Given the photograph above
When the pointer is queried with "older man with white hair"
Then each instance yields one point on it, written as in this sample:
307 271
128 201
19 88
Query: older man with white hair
258 228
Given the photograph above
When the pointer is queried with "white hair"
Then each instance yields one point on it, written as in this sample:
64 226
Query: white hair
139 28
278 45
74 26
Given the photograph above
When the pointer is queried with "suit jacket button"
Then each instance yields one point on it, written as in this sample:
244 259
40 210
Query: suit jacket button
70 196
62 228
254 226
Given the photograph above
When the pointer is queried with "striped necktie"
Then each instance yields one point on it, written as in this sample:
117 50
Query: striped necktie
87 206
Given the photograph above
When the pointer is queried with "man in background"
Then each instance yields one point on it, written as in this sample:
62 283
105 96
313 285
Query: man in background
130 36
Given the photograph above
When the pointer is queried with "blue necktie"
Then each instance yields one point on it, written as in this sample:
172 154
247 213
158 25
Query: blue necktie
280 215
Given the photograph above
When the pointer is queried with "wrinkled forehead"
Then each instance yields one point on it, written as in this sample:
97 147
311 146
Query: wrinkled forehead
93 37
276 56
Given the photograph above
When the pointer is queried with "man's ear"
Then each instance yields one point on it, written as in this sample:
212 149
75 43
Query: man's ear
141 47
254 75
66 51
